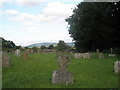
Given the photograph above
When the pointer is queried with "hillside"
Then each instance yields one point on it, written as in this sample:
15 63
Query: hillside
47 44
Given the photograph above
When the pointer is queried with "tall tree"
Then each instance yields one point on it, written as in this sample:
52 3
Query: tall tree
94 25
7 45
62 46
50 47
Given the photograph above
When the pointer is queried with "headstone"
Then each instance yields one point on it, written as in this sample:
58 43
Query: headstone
82 55
17 52
0 59
25 55
62 76
38 51
101 56
86 55
117 67
5 59
111 54
97 50
28 51
77 55
31 51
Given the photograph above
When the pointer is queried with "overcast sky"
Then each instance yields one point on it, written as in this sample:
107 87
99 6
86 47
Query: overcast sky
32 21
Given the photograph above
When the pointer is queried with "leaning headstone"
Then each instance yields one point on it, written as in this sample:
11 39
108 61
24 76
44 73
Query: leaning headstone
25 56
117 67
62 76
5 59
17 52
101 56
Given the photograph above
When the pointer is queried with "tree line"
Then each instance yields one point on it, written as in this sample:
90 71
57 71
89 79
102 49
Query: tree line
10 46
95 25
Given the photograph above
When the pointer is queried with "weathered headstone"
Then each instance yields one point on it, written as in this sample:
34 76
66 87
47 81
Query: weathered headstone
86 55
62 76
78 55
28 51
0 59
97 50
82 55
31 51
25 55
17 52
5 59
38 51
101 56
117 67
111 54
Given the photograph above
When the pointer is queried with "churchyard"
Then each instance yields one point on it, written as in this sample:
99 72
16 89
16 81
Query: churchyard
36 70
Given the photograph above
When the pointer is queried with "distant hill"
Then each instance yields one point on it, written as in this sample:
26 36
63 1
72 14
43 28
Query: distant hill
47 44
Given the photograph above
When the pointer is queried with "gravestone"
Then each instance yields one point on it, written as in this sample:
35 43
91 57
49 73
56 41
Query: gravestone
17 52
82 55
31 51
117 67
62 76
0 59
38 51
101 56
25 55
78 55
86 56
111 54
97 50
28 51
5 59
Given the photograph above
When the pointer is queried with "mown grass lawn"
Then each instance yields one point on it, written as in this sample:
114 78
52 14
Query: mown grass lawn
36 72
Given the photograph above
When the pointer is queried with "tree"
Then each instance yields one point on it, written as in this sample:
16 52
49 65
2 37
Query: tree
7 45
50 47
43 47
62 46
18 47
95 25
35 49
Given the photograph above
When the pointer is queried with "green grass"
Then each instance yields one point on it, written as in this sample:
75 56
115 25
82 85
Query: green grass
36 72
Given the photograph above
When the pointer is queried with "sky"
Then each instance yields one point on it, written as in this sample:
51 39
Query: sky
34 21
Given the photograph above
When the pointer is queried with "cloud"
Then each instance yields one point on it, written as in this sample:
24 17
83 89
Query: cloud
29 2
53 12
1 4
11 12
58 9
48 25
1 12
21 17
23 2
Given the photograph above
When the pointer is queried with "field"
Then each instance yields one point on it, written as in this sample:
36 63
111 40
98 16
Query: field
36 72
